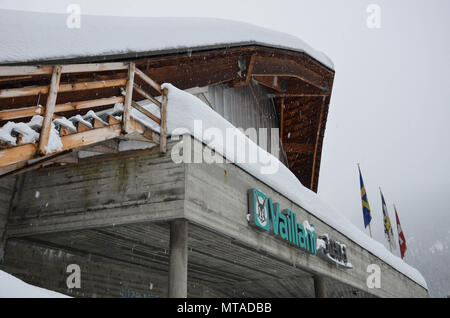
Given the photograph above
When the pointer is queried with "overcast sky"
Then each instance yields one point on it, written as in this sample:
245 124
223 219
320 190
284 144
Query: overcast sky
390 105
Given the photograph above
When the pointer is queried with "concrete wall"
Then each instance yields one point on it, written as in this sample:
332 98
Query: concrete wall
99 193
216 198
7 186
151 188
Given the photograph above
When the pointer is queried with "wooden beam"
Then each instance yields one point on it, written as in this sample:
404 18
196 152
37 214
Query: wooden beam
319 128
146 112
298 148
49 110
148 80
128 98
38 164
70 68
282 120
271 82
300 95
273 66
146 95
35 90
33 110
28 151
163 130
248 75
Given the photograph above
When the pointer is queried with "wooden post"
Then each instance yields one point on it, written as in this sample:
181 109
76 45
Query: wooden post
319 127
282 120
49 110
128 98
163 132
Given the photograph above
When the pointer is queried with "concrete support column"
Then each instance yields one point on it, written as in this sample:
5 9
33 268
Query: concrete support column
319 287
178 259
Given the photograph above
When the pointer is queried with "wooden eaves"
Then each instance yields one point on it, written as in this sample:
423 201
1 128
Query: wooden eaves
300 85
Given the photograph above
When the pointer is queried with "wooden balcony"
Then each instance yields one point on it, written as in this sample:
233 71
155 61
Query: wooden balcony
33 135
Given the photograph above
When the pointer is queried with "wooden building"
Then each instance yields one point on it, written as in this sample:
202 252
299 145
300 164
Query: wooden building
140 225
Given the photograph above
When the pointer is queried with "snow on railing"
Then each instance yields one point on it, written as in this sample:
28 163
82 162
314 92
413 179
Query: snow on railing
47 134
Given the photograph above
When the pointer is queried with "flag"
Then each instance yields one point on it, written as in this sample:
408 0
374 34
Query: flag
389 233
401 236
367 215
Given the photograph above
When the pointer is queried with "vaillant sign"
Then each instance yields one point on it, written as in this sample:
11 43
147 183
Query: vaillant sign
266 215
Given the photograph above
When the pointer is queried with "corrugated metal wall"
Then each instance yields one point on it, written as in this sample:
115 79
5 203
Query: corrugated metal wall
245 107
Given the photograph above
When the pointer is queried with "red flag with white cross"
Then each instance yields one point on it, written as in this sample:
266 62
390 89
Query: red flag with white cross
401 236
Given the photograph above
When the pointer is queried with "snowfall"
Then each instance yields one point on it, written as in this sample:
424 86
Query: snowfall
45 36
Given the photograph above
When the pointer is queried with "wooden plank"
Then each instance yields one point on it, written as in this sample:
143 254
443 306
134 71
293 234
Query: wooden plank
300 95
90 136
148 80
142 131
146 95
25 70
70 68
163 130
35 90
17 154
298 148
146 112
128 99
36 165
9 114
319 127
49 110
89 103
95 67
248 75
282 120
272 66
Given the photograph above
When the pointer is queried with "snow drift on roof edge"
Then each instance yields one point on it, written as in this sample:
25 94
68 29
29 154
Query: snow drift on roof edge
33 36
183 109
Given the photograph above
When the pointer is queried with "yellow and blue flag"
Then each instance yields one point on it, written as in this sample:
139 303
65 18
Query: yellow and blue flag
367 215
388 232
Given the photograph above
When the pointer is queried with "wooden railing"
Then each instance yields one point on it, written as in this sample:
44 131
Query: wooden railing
14 156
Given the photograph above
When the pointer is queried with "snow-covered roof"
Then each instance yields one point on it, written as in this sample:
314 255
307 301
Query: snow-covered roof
33 37
12 287
184 109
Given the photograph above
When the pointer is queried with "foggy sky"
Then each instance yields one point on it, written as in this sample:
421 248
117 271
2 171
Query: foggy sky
390 104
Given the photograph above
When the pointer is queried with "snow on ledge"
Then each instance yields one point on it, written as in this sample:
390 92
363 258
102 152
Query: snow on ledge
183 109
33 36
12 287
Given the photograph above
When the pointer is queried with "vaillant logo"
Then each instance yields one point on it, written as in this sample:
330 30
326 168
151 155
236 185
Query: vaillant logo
332 251
266 215
261 209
